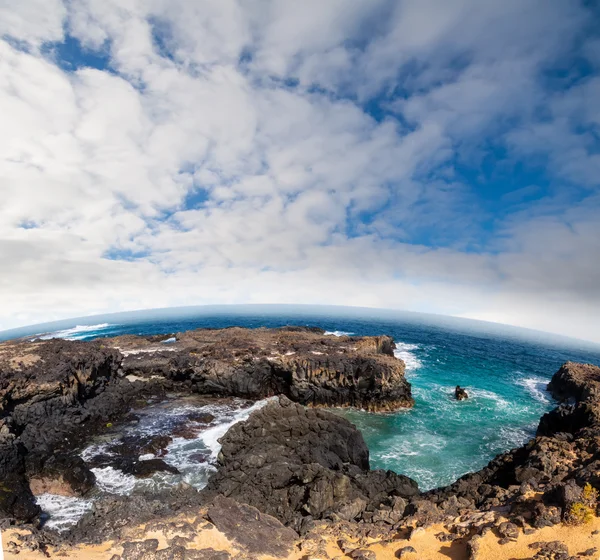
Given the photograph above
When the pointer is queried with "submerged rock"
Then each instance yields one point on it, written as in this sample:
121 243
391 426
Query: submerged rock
460 394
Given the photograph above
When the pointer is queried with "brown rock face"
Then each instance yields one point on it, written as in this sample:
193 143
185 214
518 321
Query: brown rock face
303 364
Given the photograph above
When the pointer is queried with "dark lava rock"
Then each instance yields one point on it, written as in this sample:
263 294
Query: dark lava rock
362 554
207 554
132 446
62 474
139 550
144 469
53 395
406 551
201 417
252 530
553 550
460 394
290 462
56 394
508 530
303 364
199 457
546 516
111 515
589 552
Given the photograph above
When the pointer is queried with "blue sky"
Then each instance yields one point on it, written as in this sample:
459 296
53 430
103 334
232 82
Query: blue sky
437 156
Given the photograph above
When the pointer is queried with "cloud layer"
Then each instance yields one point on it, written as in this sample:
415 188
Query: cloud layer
438 156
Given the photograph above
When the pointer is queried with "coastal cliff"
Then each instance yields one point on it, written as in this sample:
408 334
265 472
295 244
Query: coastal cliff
303 364
290 481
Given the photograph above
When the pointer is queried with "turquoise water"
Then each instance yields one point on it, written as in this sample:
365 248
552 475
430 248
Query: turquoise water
439 439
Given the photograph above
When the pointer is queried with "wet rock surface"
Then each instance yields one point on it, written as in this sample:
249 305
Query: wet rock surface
460 394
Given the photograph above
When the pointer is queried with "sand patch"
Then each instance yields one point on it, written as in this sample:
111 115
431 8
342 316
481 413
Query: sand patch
427 546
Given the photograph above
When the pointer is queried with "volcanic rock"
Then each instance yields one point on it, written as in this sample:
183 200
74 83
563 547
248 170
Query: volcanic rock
303 364
56 394
254 531
293 463
460 394
61 474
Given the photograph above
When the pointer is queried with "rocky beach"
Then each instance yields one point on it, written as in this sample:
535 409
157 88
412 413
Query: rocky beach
291 480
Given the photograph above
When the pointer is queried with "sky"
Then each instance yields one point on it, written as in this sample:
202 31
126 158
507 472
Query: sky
440 156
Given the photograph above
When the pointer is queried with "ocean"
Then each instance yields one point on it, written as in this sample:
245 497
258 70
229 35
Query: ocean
504 370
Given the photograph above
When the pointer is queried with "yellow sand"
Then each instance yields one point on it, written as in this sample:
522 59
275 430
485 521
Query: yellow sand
578 539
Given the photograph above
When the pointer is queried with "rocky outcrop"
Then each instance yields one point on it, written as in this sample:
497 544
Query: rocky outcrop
55 394
300 464
460 394
530 483
303 364
255 532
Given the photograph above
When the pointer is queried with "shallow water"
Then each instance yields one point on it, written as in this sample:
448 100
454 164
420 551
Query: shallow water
439 439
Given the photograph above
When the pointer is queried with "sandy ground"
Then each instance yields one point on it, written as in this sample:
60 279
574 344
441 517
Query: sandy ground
578 539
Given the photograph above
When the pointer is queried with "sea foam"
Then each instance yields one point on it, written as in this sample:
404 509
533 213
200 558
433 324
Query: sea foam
405 352
536 387
78 332
63 511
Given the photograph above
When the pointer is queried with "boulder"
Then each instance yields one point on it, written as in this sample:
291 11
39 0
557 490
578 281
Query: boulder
290 462
253 531
61 474
460 394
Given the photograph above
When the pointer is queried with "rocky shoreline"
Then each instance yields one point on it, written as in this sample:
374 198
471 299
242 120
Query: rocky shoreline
298 476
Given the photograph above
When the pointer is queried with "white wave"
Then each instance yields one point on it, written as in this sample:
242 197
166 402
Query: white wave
536 386
487 395
114 481
211 436
63 511
339 333
405 352
76 333
169 340
95 449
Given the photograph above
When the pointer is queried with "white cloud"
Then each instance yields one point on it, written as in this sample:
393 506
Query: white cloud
96 162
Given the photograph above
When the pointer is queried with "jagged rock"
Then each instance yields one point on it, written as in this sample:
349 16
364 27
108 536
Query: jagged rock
546 516
589 552
207 554
301 363
473 546
362 554
139 550
553 550
508 530
460 394
144 469
61 474
252 530
289 461
406 551
55 394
